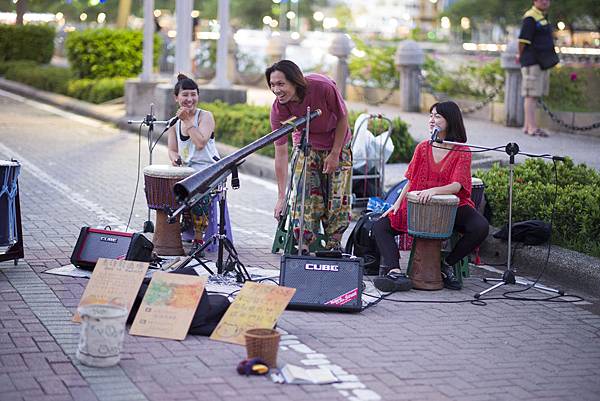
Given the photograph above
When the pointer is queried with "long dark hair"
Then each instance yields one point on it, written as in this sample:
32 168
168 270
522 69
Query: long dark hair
185 83
451 112
292 73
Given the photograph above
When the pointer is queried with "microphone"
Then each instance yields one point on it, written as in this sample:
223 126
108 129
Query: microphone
434 135
172 122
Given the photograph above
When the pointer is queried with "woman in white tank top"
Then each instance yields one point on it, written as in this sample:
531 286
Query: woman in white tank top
191 143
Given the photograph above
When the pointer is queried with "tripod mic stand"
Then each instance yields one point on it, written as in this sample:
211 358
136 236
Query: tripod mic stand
149 121
233 262
508 277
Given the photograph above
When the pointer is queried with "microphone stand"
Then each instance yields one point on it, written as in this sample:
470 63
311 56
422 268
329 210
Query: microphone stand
511 149
149 121
305 148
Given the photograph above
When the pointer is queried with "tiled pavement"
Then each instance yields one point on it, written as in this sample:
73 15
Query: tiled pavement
76 173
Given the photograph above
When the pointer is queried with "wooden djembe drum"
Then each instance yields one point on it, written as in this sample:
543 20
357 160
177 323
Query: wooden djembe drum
159 181
430 223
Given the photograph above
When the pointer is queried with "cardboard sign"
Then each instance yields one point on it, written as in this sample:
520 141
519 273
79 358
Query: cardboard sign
257 306
114 282
168 306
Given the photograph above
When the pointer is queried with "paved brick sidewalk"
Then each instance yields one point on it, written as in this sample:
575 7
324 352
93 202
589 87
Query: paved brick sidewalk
76 174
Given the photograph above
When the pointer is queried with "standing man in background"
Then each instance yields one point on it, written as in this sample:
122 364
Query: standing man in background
537 56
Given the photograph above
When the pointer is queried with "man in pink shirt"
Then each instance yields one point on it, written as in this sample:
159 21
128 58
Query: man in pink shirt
329 163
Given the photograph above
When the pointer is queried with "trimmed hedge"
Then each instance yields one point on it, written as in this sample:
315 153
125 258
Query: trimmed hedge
107 53
44 77
97 91
60 80
26 42
576 222
241 124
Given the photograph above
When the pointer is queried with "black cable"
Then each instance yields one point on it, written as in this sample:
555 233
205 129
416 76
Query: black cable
137 181
151 147
476 302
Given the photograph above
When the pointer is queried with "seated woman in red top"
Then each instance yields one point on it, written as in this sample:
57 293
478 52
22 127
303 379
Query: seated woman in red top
435 169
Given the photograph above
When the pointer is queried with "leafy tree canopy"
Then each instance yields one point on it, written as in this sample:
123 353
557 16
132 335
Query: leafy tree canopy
574 13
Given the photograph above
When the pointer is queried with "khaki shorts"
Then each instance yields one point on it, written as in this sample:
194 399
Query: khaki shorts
536 82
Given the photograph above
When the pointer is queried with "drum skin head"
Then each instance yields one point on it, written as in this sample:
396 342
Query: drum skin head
166 171
435 199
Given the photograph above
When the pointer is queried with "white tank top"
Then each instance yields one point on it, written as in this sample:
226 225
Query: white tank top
190 155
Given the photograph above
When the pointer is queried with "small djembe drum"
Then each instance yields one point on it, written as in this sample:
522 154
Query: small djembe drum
159 181
477 188
430 223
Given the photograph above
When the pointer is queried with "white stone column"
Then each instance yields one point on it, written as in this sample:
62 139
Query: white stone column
514 112
183 19
409 59
148 41
221 80
341 47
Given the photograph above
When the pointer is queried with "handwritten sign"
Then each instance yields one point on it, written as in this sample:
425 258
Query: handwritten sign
168 306
257 306
114 282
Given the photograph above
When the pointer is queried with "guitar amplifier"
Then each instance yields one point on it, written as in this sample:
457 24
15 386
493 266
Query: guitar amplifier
96 243
323 283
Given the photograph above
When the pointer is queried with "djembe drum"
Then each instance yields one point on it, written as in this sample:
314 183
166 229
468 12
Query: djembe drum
430 223
477 188
159 181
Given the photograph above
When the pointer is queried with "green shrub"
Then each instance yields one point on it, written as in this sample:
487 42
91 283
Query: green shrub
45 77
107 53
576 222
7 65
26 42
477 81
574 89
376 69
97 90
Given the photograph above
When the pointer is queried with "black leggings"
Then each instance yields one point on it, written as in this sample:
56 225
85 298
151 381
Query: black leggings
469 222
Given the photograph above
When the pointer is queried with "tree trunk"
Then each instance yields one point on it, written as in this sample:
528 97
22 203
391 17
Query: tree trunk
123 15
21 9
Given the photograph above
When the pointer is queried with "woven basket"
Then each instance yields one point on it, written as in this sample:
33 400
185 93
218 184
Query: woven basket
263 343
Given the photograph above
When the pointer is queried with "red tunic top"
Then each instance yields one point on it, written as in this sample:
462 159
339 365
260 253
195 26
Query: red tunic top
424 173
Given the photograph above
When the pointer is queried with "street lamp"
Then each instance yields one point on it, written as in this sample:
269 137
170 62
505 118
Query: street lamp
445 22
83 17
318 16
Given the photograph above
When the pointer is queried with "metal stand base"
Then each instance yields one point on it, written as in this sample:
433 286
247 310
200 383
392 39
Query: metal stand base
509 278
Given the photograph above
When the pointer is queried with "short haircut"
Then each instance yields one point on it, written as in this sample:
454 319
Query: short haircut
292 73
185 83
451 112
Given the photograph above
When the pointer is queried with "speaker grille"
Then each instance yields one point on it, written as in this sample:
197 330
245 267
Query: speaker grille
94 243
323 283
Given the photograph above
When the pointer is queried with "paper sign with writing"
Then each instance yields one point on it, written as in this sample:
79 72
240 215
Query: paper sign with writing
168 306
114 282
257 306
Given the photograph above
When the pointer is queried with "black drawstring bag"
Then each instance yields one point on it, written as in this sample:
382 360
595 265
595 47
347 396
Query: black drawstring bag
530 232
208 314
